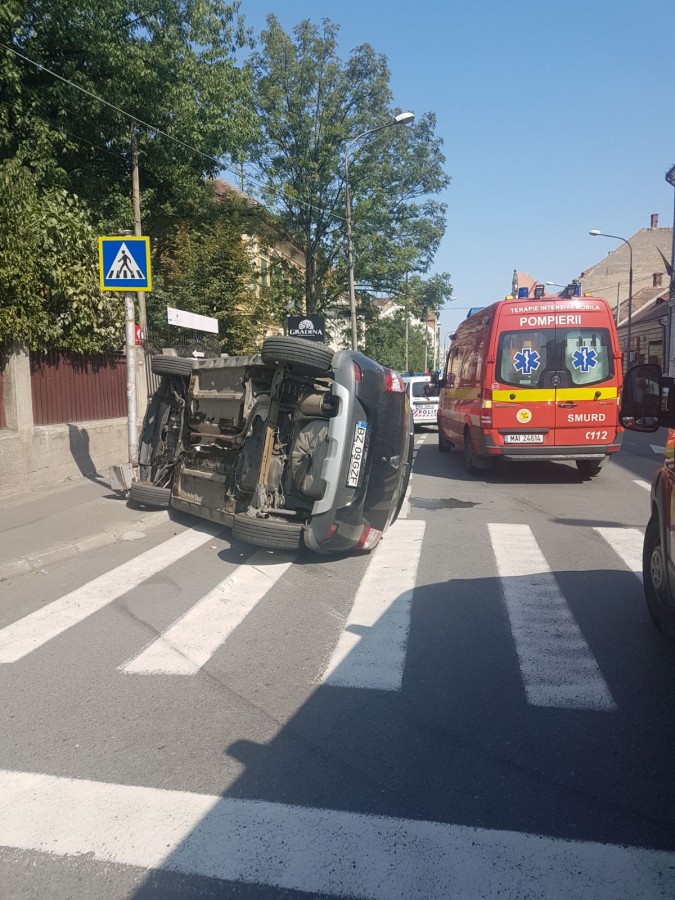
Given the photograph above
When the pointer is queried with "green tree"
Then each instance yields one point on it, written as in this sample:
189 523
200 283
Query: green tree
168 62
385 343
208 267
311 105
50 296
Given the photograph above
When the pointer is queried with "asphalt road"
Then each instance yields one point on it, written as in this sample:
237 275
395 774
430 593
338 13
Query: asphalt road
481 708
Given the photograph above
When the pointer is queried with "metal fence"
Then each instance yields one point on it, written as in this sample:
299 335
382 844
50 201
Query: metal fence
67 387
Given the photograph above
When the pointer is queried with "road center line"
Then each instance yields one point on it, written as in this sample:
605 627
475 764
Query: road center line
318 851
556 663
27 634
193 638
370 652
626 543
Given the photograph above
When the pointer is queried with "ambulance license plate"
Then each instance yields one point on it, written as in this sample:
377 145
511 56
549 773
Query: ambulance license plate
358 452
523 438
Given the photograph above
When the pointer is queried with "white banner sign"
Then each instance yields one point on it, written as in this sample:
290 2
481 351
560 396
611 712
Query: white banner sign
191 320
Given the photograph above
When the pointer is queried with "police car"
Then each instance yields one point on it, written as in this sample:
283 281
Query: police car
423 393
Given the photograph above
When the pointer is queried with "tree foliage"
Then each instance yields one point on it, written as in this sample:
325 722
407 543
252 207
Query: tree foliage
167 62
48 270
69 71
385 343
311 106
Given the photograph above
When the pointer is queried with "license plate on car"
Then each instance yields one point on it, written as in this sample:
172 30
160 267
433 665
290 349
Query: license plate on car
357 454
523 438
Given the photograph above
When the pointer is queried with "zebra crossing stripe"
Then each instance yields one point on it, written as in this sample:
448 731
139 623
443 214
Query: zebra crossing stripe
322 852
371 650
193 639
556 663
626 543
27 634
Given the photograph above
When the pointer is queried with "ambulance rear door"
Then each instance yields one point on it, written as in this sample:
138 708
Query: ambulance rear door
588 376
523 398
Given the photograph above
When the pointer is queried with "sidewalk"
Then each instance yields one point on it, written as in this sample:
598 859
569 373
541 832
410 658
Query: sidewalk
42 526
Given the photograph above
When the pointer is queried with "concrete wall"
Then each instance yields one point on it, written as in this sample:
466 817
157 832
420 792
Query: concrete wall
33 456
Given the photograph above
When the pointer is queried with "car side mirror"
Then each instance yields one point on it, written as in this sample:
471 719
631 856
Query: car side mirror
642 400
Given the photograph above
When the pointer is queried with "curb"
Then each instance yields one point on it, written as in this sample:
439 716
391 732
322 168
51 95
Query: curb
35 562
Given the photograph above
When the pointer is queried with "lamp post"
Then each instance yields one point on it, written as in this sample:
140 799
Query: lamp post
403 118
596 233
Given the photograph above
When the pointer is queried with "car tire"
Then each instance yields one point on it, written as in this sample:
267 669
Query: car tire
444 444
274 534
144 494
589 468
660 601
301 356
171 365
469 455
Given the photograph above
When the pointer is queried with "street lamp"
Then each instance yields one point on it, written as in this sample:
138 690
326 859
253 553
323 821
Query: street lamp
596 233
403 118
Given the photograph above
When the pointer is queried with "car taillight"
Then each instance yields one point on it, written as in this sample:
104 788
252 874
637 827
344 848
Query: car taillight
393 381
370 538
357 371
486 410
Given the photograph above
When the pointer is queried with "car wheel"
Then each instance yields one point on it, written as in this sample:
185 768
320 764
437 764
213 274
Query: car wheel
171 365
145 494
444 444
300 355
469 455
589 468
276 534
660 601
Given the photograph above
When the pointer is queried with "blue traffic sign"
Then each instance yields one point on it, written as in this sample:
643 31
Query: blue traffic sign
124 263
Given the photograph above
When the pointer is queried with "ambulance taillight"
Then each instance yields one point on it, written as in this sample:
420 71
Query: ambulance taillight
486 409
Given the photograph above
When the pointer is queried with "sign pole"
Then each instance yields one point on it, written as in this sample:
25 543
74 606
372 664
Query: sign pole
130 334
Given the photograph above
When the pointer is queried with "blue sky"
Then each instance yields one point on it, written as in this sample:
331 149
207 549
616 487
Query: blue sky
556 118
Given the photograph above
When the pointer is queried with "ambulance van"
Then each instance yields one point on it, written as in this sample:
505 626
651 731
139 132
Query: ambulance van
534 379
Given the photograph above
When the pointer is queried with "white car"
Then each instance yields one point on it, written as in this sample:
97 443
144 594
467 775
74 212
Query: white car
423 394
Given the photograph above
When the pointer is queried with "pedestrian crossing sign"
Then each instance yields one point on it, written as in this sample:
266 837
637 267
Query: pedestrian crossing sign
124 263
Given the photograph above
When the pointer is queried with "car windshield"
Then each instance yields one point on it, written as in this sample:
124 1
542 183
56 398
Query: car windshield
578 356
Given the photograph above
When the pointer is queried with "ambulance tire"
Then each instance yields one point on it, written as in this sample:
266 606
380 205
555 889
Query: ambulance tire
589 468
470 462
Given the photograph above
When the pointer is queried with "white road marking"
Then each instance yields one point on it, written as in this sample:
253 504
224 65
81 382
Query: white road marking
318 851
370 652
405 508
660 451
193 638
643 484
556 663
626 543
27 634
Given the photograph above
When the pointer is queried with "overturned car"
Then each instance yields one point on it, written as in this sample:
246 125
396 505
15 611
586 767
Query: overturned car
297 445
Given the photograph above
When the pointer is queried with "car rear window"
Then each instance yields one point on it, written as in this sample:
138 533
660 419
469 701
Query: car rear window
578 356
423 389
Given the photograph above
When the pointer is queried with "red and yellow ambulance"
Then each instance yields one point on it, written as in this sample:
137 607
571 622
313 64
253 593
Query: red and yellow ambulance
534 379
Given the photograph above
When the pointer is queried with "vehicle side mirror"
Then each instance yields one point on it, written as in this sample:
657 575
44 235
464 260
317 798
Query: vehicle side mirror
642 400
